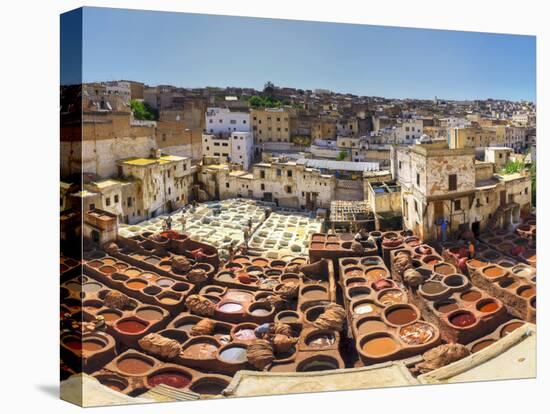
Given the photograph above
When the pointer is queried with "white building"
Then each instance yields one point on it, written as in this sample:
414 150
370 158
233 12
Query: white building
408 131
238 147
119 88
222 121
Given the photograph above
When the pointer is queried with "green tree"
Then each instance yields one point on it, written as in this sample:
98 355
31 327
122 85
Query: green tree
142 110
341 156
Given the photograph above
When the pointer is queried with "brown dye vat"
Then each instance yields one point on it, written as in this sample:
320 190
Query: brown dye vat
432 288
376 274
333 246
200 350
288 318
462 319
317 246
392 297
121 266
107 269
471 296
95 263
487 307
493 272
526 291
446 306
136 284
91 287
477 263
149 314
209 386
380 346
482 345
134 365
132 272
509 328
417 333
318 238
92 345
109 262
260 262
114 383
370 326
401 316
131 326
110 315
176 379
444 269
169 299
354 272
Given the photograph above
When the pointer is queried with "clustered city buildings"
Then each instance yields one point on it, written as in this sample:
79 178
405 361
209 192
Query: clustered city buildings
429 162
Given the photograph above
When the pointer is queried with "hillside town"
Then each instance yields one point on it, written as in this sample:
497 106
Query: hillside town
226 242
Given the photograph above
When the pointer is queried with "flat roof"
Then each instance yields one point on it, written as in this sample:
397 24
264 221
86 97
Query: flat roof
164 159
339 165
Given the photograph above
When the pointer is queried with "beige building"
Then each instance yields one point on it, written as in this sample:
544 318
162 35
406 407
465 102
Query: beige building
447 187
270 125
471 137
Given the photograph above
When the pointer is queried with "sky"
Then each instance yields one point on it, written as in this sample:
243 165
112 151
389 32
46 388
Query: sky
193 50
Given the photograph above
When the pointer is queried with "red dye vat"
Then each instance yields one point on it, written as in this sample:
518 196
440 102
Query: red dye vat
74 344
131 326
381 284
172 378
463 320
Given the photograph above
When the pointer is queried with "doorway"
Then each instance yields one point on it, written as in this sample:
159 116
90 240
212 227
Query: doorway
476 229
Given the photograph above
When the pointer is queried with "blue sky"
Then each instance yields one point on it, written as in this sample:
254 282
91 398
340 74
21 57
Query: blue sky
193 50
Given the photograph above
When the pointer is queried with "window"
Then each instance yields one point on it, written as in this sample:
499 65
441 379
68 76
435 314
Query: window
417 179
262 186
399 164
457 205
526 190
129 202
92 206
226 185
116 198
452 182
416 206
108 201
262 174
169 191
288 189
279 172
289 173
164 137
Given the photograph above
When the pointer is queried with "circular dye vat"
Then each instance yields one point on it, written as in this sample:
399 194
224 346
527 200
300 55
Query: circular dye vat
107 269
132 272
91 287
169 299
446 306
245 334
165 283
92 345
432 288
149 314
444 269
260 311
382 284
380 346
234 354
366 308
110 315
318 364
354 272
74 344
260 262
209 386
471 296
462 319
320 340
455 281
526 291
239 296
509 328
121 266
401 315
376 274
288 317
134 365
477 263
370 326
231 307
131 326
392 297
200 350
95 263
358 292
493 272
176 379
136 284
487 306
482 345
417 333
116 384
